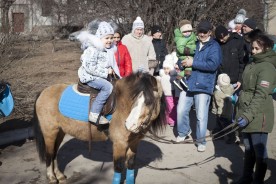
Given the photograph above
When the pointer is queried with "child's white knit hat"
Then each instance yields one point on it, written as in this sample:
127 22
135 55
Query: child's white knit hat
223 79
104 29
169 61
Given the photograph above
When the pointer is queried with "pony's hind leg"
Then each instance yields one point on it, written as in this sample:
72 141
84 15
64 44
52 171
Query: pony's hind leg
59 175
53 142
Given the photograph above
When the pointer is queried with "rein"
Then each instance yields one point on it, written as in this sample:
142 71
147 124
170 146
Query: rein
183 167
167 141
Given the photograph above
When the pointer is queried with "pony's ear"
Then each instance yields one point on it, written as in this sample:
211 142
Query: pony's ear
159 88
156 94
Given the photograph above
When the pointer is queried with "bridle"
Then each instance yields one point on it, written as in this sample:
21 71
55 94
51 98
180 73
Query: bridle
145 124
142 129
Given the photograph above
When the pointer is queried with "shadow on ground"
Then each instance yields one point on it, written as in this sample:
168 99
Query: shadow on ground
13 124
102 152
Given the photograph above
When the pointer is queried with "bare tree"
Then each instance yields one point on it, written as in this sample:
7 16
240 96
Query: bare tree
166 13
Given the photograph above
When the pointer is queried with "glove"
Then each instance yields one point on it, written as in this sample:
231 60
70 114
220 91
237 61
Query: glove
242 122
110 70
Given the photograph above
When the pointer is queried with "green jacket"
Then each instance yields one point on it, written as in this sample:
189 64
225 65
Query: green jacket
255 102
181 43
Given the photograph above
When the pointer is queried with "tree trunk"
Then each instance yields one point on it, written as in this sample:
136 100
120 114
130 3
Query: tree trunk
5 6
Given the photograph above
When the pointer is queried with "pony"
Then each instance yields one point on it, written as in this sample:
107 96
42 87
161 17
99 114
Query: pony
140 107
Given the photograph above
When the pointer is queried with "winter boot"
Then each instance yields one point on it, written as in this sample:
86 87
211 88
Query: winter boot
249 162
261 167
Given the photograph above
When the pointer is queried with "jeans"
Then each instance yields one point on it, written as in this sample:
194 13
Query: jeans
185 103
256 144
182 131
105 88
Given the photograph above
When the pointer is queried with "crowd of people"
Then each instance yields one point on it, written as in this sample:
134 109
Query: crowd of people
228 68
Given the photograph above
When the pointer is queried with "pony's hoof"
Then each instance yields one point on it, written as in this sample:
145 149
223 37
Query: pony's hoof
62 180
53 181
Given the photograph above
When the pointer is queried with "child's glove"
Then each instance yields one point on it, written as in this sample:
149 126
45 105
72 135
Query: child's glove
242 122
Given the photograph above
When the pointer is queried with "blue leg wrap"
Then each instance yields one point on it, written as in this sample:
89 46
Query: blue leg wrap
130 176
116 178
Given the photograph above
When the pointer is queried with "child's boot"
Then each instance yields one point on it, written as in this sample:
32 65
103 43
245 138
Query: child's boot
93 117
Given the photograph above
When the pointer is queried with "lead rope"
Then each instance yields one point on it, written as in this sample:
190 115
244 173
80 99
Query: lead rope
167 141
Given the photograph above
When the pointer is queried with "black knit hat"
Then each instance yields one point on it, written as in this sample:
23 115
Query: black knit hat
204 25
155 29
221 32
250 23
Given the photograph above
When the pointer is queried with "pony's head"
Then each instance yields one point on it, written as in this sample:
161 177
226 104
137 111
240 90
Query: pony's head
148 108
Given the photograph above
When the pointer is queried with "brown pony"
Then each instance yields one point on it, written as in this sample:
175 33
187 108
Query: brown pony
140 103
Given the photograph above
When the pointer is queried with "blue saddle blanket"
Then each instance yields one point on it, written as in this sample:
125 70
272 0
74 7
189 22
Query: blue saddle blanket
6 102
74 105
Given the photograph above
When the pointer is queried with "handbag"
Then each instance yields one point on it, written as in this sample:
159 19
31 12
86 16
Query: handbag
153 64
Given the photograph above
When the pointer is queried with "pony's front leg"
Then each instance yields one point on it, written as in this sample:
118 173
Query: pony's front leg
130 163
119 156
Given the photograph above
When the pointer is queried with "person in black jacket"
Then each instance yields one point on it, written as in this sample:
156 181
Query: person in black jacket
232 46
232 55
249 25
159 46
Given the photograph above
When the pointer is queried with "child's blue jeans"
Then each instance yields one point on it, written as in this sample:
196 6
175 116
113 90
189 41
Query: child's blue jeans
105 88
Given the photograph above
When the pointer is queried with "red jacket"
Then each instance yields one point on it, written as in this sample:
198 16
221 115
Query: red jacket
123 60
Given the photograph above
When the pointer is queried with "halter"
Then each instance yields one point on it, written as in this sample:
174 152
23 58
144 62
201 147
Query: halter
144 125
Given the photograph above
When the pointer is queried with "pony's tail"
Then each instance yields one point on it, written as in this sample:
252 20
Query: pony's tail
40 143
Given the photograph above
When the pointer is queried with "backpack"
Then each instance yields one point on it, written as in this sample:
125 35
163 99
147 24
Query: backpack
6 99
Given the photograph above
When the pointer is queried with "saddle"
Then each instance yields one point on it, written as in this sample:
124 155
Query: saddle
110 104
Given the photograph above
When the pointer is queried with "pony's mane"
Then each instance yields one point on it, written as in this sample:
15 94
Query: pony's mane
145 82
140 81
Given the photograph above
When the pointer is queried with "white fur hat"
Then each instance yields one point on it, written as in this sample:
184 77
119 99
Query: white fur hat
169 61
138 23
231 25
223 79
104 29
